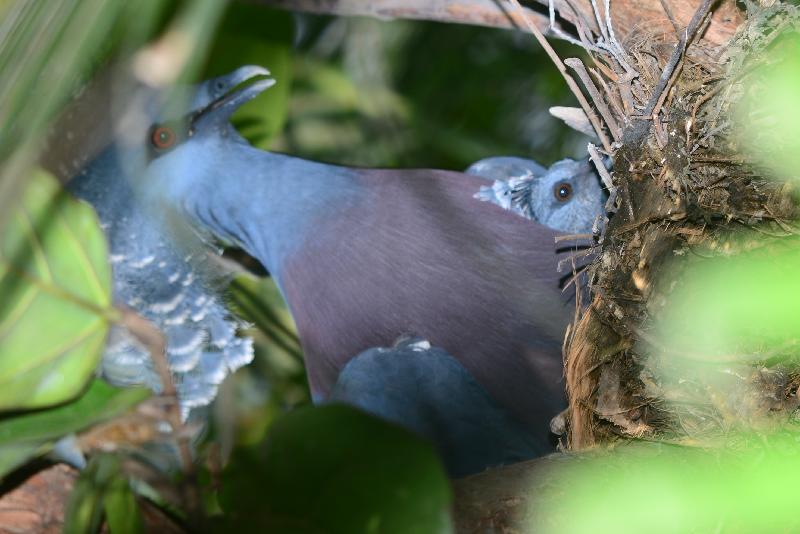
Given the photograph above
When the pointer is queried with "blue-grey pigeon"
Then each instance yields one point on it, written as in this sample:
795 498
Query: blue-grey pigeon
363 257
567 196
429 392
169 281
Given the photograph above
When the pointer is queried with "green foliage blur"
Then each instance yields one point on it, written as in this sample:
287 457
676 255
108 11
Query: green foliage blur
768 116
422 94
741 308
659 488
326 469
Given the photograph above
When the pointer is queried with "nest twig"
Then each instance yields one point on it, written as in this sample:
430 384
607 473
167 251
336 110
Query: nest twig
661 105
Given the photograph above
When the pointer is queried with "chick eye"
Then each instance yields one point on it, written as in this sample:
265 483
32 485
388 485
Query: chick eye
163 137
562 191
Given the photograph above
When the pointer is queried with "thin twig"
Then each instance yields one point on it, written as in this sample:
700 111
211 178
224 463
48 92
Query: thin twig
561 34
609 43
572 237
599 19
620 55
479 12
613 98
155 342
563 70
624 88
671 18
572 257
601 168
680 47
585 33
577 65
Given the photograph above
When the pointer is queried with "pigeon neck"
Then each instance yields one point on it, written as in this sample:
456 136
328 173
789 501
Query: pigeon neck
274 203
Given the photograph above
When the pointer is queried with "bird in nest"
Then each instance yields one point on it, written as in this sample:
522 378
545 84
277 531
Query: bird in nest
363 258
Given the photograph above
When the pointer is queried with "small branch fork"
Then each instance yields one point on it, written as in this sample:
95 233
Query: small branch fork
610 58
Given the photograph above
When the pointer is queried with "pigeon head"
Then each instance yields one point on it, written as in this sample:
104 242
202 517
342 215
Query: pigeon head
160 266
568 196
184 153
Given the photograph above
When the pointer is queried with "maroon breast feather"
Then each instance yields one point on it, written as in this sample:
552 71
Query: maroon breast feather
421 257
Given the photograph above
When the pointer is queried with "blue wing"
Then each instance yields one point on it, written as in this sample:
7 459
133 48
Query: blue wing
429 392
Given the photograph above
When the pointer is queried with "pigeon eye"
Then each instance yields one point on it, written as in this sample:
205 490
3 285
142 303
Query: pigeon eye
562 191
163 137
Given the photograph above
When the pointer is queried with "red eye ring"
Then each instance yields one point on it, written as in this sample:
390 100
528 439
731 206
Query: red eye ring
162 137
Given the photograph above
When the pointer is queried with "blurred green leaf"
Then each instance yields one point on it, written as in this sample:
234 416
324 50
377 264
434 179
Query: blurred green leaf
768 116
656 488
101 402
122 510
25 435
254 35
55 297
728 307
14 455
102 489
336 469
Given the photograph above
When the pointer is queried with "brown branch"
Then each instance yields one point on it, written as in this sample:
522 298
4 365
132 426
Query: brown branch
626 16
475 12
671 18
503 499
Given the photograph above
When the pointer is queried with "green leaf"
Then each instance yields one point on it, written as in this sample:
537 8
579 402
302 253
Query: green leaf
55 297
657 488
101 402
767 117
336 469
30 434
122 510
103 490
14 455
728 306
253 35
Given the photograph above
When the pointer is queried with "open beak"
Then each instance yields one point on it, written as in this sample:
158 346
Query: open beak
244 84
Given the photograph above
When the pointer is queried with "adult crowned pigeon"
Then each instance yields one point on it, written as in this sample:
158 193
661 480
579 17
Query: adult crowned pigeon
363 257
164 277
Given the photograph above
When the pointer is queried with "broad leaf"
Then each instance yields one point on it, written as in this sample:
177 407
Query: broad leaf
103 490
55 297
336 469
33 433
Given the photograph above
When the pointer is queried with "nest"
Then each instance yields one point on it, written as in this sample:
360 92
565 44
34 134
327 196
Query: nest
684 191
